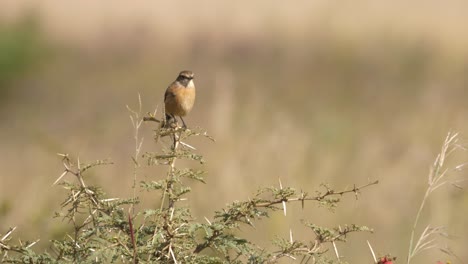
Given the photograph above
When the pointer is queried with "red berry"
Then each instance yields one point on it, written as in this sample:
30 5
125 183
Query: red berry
385 260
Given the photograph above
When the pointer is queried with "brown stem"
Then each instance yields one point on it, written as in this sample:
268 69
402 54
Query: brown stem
132 237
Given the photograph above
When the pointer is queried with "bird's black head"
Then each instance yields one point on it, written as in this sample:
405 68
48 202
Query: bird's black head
185 77
186 74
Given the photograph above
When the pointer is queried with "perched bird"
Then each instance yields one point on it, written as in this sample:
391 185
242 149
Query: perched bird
179 97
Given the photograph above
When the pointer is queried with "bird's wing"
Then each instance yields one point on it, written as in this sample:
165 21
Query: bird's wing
168 93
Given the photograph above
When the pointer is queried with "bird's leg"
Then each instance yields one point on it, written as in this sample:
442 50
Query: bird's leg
170 119
167 118
183 122
168 123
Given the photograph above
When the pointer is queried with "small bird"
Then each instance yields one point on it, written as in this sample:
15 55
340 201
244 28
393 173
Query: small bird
180 97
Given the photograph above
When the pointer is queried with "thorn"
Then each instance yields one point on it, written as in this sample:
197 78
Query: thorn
59 178
172 213
76 244
291 236
172 254
290 256
8 233
208 220
355 191
372 251
33 243
187 145
302 199
283 202
336 250
67 168
250 222
155 110
109 200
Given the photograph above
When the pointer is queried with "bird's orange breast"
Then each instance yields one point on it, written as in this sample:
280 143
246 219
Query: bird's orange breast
181 100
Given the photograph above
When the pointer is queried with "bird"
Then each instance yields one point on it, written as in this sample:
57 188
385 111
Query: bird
179 97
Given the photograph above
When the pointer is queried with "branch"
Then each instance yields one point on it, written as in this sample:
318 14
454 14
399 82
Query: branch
151 118
303 198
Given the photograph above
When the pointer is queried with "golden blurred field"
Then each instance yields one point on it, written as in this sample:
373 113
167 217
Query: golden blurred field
311 92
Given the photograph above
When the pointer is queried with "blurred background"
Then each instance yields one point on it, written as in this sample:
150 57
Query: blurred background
337 92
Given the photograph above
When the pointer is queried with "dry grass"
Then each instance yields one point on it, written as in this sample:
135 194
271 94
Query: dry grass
326 92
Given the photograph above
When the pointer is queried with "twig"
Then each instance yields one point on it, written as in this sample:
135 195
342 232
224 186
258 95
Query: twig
132 237
316 198
136 124
151 118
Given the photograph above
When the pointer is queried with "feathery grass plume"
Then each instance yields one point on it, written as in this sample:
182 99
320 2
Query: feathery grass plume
438 177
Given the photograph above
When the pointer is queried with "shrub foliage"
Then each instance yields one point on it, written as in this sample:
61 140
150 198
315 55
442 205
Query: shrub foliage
114 230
